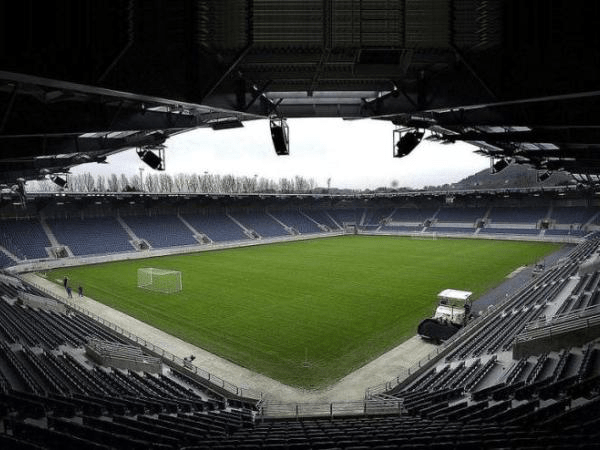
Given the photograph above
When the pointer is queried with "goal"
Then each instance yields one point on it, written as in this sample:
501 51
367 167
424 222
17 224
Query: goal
159 280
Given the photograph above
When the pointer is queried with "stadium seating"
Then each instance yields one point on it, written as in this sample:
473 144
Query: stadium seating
342 216
443 229
572 215
473 395
85 236
260 222
375 217
502 214
565 232
161 231
45 373
419 215
5 261
218 227
458 214
508 231
25 238
402 228
95 236
322 217
298 221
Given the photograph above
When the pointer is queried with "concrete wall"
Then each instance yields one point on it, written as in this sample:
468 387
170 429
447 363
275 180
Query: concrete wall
147 364
554 341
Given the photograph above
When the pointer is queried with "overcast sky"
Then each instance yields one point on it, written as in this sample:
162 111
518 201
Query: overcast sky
354 154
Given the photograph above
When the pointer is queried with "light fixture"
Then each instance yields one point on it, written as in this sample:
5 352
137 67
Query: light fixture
499 165
155 160
543 176
406 143
59 181
280 134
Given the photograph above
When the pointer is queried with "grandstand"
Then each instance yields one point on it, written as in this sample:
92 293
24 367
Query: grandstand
81 81
500 376
84 232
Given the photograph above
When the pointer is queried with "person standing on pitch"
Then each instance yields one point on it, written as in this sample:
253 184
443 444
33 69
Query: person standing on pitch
80 290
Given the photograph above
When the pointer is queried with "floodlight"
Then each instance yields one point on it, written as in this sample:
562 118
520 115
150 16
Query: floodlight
280 133
59 181
499 165
543 176
406 143
155 161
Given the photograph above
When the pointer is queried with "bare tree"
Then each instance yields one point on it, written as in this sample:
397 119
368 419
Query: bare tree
228 184
88 182
44 185
302 184
263 185
100 183
179 182
151 182
135 182
113 183
286 186
123 183
165 182
192 182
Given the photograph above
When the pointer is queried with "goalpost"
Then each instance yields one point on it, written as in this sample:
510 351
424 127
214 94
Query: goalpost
159 280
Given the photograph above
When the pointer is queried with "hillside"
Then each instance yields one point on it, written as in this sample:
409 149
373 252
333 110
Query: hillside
514 176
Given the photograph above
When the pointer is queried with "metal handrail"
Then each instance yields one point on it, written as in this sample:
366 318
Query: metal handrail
556 328
585 312
332 409
445 346
187 365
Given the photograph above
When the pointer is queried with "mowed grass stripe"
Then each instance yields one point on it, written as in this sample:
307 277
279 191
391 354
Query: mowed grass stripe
341 301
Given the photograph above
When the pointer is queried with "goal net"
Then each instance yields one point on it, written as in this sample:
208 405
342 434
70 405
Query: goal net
159 280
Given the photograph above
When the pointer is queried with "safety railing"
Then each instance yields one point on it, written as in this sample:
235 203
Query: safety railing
584 312
377 390
331 410
556 328
165 355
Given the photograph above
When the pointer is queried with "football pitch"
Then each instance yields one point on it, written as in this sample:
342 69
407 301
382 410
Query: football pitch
306 313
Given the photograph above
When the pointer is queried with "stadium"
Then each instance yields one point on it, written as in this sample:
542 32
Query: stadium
212 320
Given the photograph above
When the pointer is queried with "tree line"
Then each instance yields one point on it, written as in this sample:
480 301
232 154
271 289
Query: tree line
179 183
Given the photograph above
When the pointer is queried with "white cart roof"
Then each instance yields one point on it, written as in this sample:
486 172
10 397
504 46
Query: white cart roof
454 294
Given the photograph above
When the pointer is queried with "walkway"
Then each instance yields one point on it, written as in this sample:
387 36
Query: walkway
350 388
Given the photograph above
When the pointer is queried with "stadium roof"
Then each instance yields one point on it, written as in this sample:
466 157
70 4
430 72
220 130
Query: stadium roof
82 80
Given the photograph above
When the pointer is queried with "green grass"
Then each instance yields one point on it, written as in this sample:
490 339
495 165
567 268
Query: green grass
339 302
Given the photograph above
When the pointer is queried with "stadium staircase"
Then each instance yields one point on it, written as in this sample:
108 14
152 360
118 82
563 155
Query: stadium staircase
362 218
53 395
290 230
200 237
322 227
8 254
387 219
332 220
471 393
592 220
251 234
126 227
51 237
